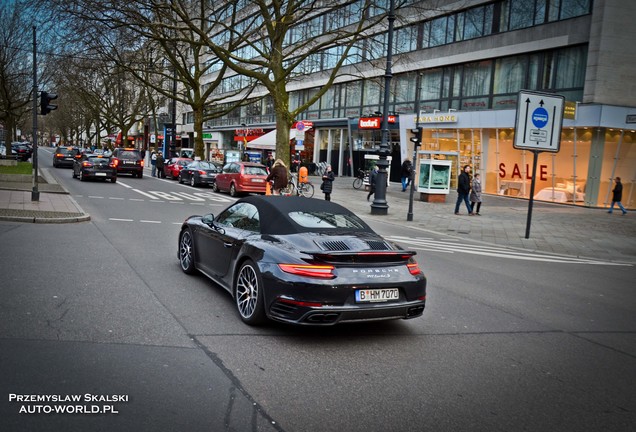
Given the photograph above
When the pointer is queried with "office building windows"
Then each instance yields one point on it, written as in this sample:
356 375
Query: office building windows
510 74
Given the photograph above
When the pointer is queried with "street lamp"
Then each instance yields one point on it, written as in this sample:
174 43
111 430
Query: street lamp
379 205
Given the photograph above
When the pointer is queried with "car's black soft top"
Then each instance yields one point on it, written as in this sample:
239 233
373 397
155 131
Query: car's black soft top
274 212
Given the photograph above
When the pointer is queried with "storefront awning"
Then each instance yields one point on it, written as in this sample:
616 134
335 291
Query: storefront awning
265 142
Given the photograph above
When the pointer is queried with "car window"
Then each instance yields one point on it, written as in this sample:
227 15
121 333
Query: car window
326 220
255 170
128 154
244 216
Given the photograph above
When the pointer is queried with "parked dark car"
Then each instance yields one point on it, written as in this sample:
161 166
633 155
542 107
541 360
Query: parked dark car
91 166
22 150
302 261
173 166
199 173
241 177
129 161
65 156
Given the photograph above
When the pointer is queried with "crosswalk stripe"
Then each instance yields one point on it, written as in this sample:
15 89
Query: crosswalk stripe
493 251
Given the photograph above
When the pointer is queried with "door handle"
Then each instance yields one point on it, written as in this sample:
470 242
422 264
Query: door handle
227 245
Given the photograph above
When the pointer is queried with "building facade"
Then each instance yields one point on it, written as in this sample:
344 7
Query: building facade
466 63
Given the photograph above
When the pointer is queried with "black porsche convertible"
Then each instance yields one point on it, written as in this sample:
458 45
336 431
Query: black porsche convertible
302 261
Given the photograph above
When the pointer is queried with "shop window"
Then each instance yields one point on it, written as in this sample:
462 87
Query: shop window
618 161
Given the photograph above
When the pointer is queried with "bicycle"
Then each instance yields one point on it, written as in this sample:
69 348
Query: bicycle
359 180
304 189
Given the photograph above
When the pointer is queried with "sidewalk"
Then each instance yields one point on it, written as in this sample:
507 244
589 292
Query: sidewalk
555 228
55 205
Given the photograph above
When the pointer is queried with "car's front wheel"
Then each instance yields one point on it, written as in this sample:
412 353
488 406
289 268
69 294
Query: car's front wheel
215 187
233 192
248 294
186 252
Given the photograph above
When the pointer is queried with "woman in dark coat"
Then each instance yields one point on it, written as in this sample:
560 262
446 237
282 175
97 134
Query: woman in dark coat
327 183
279 176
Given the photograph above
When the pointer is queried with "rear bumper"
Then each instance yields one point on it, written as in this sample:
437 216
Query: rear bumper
293 314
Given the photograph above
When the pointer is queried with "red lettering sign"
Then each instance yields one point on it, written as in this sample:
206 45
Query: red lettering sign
369 123
516 172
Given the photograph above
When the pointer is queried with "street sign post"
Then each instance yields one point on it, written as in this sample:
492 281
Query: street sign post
538 128
539 121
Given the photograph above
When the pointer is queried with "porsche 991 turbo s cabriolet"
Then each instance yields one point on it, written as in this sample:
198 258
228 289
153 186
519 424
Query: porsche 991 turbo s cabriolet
302 261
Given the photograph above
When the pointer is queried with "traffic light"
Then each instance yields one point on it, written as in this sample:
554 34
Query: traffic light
417 138
45 102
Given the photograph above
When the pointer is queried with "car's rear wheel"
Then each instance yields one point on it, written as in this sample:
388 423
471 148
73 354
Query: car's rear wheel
81 175
113 179
192 182
215 187
233 192
186 252
74 175
248 294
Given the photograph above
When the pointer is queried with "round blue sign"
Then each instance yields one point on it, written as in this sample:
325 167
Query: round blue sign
540 117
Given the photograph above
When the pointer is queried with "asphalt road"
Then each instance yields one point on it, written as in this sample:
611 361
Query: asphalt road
509 341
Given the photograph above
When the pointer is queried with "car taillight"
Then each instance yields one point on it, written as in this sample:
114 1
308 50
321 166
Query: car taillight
142 163
59 155
114 162
202 172
314 271
414 268
87 164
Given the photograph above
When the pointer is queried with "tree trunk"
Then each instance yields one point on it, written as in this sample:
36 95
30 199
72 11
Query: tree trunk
199 149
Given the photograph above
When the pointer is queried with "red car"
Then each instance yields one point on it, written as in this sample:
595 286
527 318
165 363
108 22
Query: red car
173 166
241 177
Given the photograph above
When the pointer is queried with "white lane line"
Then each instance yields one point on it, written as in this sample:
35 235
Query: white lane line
149 221
120 220
96 197
116 198
146 194
124 184
136 199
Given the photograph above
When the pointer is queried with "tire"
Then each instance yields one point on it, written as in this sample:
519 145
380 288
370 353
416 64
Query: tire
113 179
248 294
141 175
357 183
81 176
233 192
215 188
307 190
180 179
186 252
192 182
74 175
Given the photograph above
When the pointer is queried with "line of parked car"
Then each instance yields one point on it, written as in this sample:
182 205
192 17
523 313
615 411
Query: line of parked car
22 150
237 178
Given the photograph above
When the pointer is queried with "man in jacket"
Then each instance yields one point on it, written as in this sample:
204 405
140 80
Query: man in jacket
617 196
463 190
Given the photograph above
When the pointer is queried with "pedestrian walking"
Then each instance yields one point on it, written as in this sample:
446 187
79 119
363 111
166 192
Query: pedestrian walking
475 195
373 176
327 182
160 165
617 196
153 163
463 190
278 176
406 173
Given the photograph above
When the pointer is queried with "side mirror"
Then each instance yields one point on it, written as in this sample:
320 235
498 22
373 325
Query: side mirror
208 219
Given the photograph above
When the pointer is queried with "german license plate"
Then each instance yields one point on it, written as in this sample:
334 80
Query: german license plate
258 180
377 295
100 174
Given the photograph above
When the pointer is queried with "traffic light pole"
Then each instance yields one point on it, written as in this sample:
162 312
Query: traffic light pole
35 193
416 144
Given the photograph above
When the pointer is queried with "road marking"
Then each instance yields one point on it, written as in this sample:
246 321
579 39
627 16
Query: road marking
149 221
116 198
120 220
429 245
146 194
96 197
